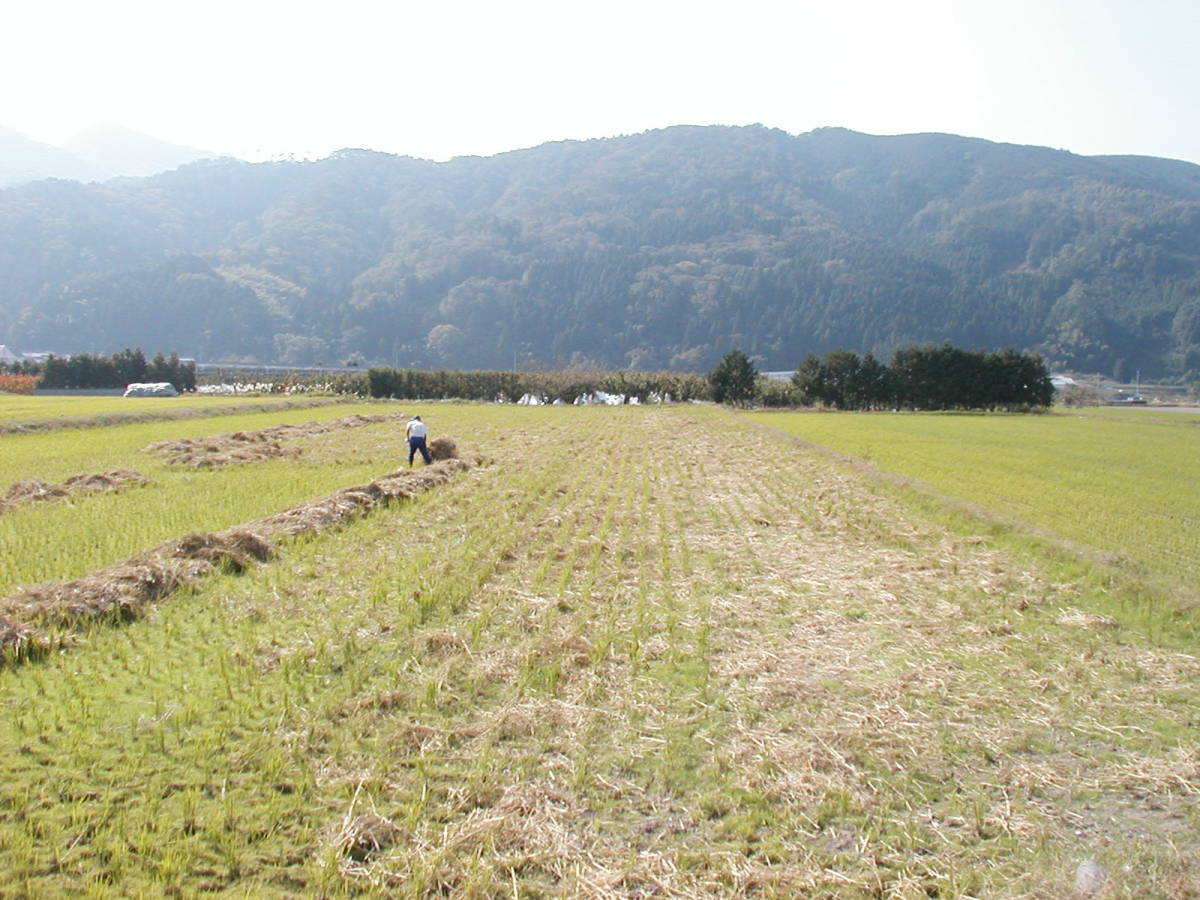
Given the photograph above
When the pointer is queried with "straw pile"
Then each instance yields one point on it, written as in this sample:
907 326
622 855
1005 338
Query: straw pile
34 490
119 592
214 455
443 448
254 446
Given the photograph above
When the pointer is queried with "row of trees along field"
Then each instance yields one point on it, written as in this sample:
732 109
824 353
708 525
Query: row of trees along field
415 384
930 378
122 368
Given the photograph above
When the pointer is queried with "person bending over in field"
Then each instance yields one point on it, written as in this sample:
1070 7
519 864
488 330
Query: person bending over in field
416 432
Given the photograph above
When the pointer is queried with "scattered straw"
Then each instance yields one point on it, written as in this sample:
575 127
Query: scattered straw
362 837
1079 619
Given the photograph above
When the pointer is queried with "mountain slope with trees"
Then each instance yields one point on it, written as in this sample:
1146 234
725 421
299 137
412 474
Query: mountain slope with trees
659 250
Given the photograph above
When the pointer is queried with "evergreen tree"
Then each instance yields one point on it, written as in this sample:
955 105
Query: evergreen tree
811 381
734 380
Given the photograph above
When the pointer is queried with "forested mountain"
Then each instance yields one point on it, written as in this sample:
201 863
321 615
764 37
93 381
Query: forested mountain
659 250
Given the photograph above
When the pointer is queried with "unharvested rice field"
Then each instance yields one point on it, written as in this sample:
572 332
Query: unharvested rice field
609 653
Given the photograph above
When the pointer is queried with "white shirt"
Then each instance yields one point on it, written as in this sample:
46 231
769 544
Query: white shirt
416 429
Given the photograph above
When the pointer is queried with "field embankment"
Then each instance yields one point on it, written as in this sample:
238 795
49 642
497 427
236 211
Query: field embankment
652 666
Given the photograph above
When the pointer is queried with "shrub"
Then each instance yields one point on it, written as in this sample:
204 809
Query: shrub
17 384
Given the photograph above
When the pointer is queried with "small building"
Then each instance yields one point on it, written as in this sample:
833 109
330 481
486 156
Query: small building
8 357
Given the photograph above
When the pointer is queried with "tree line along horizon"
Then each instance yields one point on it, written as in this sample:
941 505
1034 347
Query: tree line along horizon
84 371
929 377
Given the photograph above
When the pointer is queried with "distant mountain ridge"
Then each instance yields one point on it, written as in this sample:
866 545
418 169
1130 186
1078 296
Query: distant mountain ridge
95 154
658 250
23 159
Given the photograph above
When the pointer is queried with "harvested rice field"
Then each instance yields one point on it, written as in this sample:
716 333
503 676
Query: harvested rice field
23 413
1122 483
600 654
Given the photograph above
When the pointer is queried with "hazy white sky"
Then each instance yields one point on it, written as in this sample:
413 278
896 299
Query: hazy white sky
267 78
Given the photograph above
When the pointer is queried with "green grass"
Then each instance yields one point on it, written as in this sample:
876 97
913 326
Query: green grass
599 669
1121 482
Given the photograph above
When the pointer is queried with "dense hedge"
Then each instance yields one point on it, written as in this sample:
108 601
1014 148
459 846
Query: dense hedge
932 377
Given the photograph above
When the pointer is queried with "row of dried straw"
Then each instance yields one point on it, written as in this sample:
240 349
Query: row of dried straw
34 490
252 446
30 617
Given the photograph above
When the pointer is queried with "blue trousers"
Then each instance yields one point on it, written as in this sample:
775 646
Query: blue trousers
415 444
